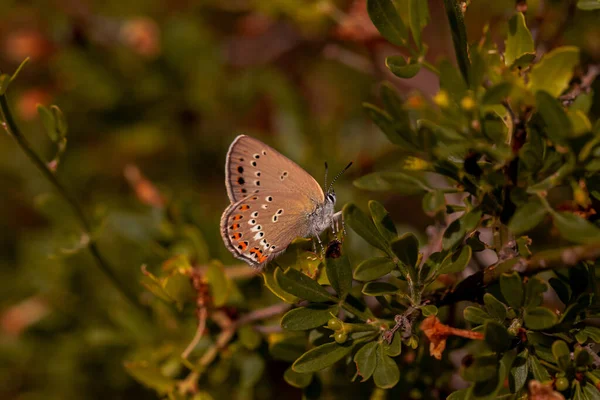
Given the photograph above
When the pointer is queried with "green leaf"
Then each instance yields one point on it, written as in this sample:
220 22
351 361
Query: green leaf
580 122
300 285
402 69
534 292
590 392
539 318
373 268
47 118
321 357
398 131
481 369
289 347
366 360
443 133
494 307
61 122
462 394
406 247
456 231
451 81
527 217
497 93
309 317
562 289
554 71
218 283
273 286
539 372
418 13
297 379
588 5
386 374
364 226
4 82
383 222
250 338
150 376
400 182
386 19
476 315
562 354
558 125
457 262
519 371
429 310
459 36
395 348
434 202
582 358
496 336
251 367
576 229
511 286
339 273
519 42
379 288
394 105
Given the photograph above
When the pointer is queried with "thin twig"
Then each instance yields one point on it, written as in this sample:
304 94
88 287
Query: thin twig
583 87
228 331
12 129
202 315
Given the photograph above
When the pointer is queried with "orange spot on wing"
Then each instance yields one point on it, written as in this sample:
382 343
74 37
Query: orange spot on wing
262 259
237 217
242 245
236 236
244 207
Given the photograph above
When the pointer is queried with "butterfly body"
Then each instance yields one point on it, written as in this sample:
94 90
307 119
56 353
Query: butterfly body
273 201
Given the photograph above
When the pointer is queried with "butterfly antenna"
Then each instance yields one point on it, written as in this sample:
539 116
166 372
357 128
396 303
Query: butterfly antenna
326 169
338 175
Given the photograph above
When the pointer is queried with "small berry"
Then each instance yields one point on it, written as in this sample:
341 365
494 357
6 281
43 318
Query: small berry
562 384
340 337
334 324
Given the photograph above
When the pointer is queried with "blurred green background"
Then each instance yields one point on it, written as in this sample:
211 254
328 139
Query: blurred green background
154 92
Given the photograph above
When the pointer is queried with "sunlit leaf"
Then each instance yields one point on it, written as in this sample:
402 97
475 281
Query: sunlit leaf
554 71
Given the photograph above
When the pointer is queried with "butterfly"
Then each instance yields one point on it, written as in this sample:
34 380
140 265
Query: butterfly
273 201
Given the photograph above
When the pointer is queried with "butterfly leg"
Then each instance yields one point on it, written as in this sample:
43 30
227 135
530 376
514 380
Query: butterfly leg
321 244
337 217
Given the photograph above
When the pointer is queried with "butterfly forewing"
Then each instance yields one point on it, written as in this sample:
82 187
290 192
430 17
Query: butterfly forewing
259 227
252 167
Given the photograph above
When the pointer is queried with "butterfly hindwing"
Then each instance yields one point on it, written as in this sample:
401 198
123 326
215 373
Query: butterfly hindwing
252 167
259 227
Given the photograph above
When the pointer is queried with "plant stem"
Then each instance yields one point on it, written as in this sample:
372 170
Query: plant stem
12 129
430 67
459 36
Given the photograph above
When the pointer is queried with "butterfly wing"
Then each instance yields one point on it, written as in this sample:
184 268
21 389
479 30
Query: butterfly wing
252 167
259 227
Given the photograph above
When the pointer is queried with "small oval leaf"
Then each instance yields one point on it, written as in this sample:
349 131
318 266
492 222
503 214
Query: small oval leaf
321 357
